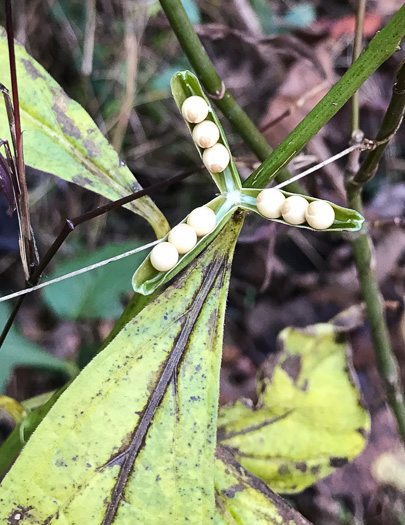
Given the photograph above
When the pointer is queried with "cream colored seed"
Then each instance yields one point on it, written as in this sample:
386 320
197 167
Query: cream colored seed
206 134
164 257
202 220
194 109
269 203
216 159
293 209
320 215
183 237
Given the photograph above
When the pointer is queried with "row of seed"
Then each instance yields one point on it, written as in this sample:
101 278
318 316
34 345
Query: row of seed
272 204
182 238
205 134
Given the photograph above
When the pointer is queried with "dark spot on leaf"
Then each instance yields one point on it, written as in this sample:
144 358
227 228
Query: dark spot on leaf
60 463
82 181
232 490
158 478
194 398
363 432
283 470
315 470
88 465
338 462
301 466
292 367
18 514
91 148
340 338
304 386
31 69
66 123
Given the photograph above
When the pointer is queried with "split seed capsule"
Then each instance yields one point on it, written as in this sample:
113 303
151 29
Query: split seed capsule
293 209
216 159
164 257
203 220
194 109
183 237
206 134
269 203
320 215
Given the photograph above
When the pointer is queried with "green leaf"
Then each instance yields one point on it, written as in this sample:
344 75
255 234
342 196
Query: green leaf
309 418
18 351
381 47
184 85
345 218
133 438
62 139
10 449
242 498
147 279
97 294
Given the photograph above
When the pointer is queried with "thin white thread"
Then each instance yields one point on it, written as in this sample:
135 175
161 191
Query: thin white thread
78 272
319 166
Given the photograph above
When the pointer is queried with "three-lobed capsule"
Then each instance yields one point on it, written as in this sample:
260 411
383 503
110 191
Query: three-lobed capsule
272 204
182 238
205 133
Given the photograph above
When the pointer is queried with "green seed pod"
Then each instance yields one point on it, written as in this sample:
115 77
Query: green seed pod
269 203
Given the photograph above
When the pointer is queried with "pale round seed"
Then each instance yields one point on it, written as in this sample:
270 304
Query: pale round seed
320 215
206 134
216 159
194 109
269 203
183 237
164 256
293 209
202 220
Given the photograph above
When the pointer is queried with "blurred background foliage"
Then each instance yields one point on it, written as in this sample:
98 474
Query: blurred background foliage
116 58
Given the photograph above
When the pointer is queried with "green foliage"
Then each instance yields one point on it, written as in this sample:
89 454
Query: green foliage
309 418
244 499
61 138
185 84
157 381
87 296
18 351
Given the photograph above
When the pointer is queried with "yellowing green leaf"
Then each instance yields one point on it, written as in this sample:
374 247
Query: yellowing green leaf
133 439
309 418
62 139
245 499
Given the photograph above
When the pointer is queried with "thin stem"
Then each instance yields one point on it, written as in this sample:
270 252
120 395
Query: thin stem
317 167
357 49
71 224
362 244
215 87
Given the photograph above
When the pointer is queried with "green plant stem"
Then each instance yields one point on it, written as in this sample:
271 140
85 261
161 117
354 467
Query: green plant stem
362 244
381 47
357 49
215 88
392 120
386 361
